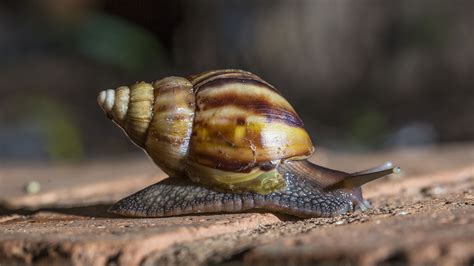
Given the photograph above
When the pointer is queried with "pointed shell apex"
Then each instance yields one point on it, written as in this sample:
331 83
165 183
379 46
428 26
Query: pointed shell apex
101 98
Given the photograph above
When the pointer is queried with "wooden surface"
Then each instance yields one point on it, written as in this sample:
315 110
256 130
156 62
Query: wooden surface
423 216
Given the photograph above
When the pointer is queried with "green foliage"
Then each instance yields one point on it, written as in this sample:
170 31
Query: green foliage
116 42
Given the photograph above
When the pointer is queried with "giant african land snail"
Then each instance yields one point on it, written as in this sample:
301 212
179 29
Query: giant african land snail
229 142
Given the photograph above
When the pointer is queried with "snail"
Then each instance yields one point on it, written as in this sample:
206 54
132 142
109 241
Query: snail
229 142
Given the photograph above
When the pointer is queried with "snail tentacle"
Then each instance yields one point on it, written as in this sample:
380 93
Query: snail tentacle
360 178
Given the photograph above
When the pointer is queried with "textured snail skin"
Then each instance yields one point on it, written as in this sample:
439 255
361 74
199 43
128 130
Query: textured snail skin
304 196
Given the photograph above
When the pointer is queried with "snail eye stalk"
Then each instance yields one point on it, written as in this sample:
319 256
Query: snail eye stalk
358 179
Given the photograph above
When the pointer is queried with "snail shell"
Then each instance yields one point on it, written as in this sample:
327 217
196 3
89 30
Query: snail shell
229 142
225 128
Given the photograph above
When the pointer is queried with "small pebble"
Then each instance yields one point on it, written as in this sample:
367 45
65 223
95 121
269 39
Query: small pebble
33 187
402 213
339 222
433 191
438 190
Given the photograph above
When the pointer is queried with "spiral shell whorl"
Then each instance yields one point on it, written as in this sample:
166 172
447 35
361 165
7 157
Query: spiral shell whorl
243 128
170 130
115 103
140 112
157 117
131 108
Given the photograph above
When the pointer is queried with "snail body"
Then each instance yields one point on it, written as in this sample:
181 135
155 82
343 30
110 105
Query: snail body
229 142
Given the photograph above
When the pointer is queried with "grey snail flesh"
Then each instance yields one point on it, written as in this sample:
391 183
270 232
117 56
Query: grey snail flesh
302 197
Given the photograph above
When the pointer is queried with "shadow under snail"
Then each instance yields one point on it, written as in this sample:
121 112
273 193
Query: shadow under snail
229 142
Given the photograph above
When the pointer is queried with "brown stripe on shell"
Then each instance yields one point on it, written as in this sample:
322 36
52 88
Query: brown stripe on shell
167 107
196 78
200 80
281 115
170 85
225 164
258 106
228 79
167 139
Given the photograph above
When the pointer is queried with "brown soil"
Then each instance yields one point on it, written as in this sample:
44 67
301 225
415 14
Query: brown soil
423 216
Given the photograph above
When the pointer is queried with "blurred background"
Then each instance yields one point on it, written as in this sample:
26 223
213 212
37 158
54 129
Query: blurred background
364 75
